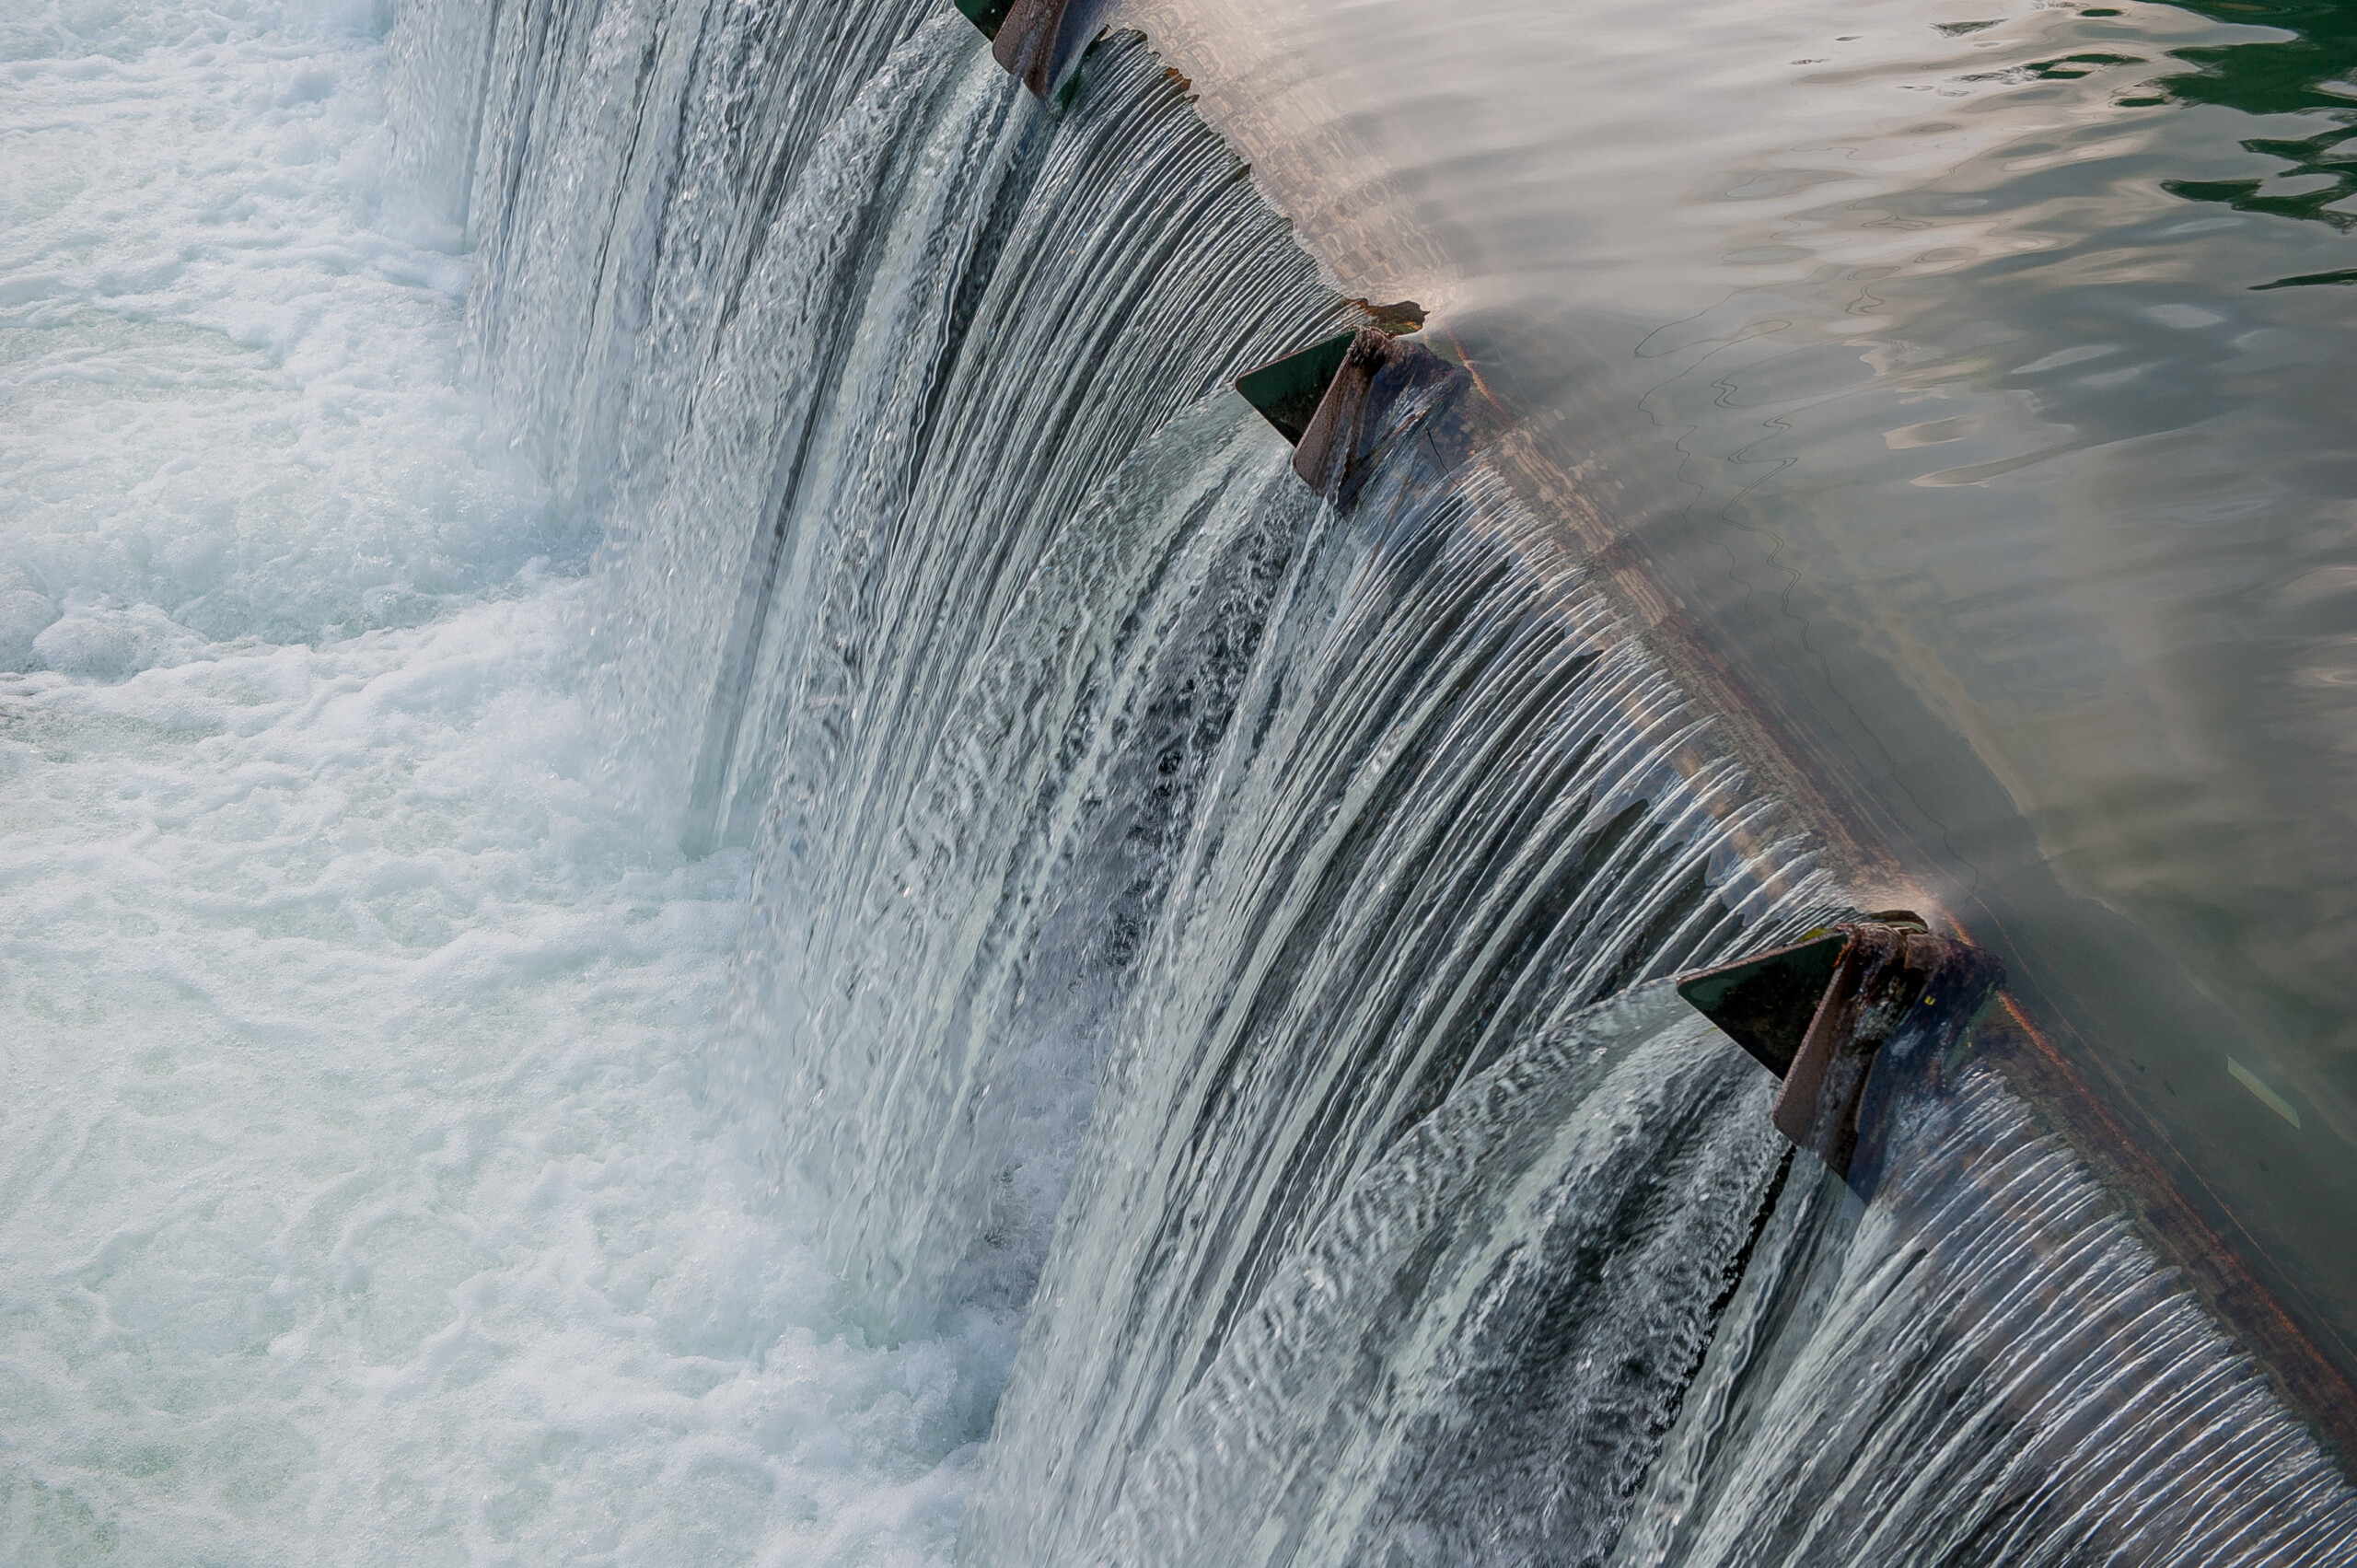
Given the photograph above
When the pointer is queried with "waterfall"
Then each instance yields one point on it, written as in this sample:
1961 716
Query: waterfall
1984 1365
1228 930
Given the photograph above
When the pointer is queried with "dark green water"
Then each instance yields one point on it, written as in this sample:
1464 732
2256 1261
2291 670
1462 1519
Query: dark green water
2306 73
1973 375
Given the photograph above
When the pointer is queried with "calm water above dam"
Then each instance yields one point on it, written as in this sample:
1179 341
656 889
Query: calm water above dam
1975 376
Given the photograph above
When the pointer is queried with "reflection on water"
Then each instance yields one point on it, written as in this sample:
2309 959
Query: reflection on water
2305 68
1936 361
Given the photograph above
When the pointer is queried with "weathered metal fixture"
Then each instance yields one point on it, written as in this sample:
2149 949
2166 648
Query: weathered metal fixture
1341 400
986 14
1287 391
1038 41
1877 1002
1359 412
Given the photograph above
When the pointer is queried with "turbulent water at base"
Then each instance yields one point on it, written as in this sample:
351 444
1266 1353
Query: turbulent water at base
710 863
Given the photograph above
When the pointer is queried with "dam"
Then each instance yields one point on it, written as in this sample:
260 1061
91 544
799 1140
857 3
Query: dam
713 861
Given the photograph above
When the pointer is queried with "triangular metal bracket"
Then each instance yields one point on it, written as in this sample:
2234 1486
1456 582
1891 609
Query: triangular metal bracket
1880 998
1764 1003
1287 391
987 14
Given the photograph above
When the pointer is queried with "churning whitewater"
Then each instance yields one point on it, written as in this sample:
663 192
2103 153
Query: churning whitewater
709 863
359 1196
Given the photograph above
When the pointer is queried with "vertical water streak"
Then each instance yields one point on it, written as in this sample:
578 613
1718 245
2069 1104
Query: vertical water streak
1984 1365
632 157
947 662
1317 863
956 311
1471 1361
928 1005
1460 805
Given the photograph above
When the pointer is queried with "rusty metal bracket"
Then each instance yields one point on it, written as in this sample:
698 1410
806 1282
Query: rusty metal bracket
1343 401
1378 374
1039 42
1879 1001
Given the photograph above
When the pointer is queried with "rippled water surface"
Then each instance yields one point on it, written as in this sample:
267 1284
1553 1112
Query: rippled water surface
1973 376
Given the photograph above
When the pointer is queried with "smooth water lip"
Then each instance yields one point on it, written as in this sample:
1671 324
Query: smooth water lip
2267 1097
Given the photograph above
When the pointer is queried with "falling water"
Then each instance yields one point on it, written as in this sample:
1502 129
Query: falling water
1217 937
1984 1365
1097 778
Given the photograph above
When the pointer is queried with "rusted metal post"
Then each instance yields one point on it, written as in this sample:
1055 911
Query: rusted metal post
1878 1002
1041 42
1342 402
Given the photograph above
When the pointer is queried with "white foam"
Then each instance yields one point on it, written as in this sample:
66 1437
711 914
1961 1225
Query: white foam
360 1201
224 391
